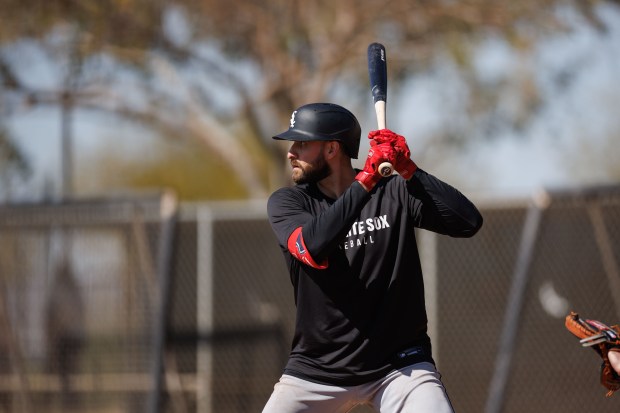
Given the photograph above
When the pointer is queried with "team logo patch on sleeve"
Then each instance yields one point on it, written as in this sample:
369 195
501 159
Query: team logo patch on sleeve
299 244
297 248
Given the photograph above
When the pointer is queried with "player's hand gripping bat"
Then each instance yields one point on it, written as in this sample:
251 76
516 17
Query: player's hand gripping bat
377 72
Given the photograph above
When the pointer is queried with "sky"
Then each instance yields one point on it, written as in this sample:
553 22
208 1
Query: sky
574 120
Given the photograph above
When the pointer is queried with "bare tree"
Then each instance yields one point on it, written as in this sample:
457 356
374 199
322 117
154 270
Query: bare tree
228 73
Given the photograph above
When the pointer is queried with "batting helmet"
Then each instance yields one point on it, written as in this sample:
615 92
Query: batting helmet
324 122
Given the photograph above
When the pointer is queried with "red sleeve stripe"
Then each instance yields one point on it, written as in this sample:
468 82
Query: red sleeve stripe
297 247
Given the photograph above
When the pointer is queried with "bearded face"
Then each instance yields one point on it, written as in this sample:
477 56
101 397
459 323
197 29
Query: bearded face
308 162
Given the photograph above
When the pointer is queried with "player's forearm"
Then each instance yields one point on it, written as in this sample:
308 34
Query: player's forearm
322 233
614 359
454 214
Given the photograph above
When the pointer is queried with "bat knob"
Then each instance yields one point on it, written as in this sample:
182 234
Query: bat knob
386 169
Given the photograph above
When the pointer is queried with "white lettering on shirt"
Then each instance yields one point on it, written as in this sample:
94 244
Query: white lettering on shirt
360 228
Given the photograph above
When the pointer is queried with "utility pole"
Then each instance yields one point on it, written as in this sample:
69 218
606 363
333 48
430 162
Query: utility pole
66 142
67 100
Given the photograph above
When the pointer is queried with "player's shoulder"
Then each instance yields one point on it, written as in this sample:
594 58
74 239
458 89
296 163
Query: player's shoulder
288 191
287 194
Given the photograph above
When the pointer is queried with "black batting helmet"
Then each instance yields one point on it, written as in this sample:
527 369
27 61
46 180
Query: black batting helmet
324 122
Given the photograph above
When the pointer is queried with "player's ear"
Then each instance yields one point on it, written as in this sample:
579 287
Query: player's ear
333 147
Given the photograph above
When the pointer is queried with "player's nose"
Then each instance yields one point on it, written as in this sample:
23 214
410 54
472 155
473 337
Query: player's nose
292 152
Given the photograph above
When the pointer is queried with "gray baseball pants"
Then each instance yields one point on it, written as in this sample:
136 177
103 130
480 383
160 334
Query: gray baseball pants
413 389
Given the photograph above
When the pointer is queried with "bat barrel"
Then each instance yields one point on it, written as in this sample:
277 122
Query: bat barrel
377 71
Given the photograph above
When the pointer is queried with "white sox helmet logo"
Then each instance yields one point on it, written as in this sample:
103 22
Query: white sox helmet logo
293 119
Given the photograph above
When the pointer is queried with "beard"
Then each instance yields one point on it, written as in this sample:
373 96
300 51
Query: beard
312 172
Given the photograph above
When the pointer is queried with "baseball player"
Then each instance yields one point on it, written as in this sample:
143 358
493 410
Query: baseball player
349 244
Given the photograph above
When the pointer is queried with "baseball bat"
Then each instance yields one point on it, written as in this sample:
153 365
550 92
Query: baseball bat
377 73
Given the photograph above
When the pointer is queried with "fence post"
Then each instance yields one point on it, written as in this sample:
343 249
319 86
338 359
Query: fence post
168 214
510 325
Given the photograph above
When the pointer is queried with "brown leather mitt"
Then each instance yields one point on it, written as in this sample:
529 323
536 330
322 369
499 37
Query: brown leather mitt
601 338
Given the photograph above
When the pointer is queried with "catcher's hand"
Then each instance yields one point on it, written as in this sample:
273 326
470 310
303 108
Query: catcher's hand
601 338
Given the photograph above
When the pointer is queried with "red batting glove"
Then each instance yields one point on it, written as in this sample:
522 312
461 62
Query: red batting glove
378 153
403 164
383 136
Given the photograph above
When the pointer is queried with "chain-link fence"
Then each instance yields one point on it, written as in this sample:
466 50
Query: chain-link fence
232 306
81 304
497 304
503 296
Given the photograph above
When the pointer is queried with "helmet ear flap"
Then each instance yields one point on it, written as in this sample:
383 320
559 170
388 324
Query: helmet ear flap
353 147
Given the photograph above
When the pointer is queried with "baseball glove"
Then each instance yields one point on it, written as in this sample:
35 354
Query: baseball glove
601 338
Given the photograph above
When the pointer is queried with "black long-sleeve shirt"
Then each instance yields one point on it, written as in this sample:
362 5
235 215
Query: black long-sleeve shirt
364 314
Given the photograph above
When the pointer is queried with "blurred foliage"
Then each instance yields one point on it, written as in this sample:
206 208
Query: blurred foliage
128 24
191 172
226 74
